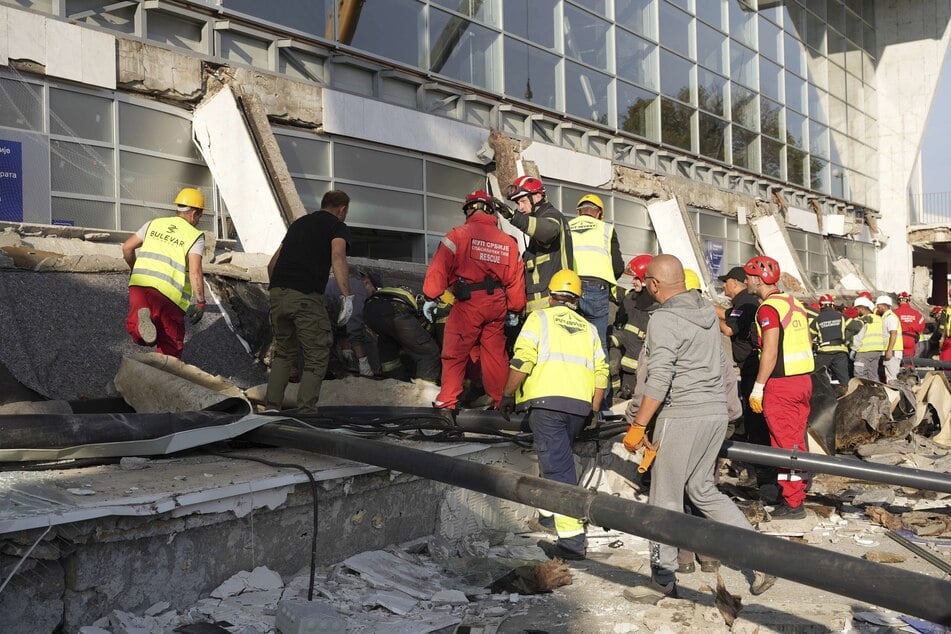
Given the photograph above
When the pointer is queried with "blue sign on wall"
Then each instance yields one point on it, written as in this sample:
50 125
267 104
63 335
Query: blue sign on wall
713 250
11 181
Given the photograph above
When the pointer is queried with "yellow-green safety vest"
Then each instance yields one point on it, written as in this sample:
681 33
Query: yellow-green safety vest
899 344
795 345
873 339
162 260
591 243
400 294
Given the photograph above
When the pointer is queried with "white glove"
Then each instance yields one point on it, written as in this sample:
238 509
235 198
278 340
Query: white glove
346 309
429 310
511 319
365 369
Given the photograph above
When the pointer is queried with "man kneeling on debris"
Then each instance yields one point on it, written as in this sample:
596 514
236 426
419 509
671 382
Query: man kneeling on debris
684 390
558 373
167 276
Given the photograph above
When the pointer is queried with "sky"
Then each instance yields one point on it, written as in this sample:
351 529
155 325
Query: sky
936 149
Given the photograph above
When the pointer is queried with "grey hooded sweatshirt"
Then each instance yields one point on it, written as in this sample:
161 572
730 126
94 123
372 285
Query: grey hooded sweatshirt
686 358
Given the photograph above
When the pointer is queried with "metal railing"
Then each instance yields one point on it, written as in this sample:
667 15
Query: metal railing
929 209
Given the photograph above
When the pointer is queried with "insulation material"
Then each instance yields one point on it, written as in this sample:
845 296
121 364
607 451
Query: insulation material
673 234
231 154
936 392
567 165
155 383
773 241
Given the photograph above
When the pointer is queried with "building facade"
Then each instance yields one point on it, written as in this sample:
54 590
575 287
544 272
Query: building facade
808 112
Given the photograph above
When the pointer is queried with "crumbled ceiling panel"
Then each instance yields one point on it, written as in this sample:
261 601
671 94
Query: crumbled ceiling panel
675 237
773 240
228 147
570 166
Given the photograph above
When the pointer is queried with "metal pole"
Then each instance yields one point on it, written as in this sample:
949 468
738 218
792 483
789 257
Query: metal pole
834 465
881 585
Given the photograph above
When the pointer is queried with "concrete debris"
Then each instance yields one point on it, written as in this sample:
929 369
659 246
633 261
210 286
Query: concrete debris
78 491
386 570
309 617
884 557
133 463
449 597
394 601
158 608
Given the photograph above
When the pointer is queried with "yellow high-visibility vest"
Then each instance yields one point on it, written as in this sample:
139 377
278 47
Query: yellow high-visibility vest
591 242
795 346
873 339
162 260
898 341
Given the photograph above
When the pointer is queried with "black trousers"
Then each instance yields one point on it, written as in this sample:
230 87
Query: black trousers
838 364
399 332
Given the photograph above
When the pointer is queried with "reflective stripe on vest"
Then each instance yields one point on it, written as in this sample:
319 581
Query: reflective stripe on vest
567 350
873 339
400 294
591 245
795 346
162 261
898 343
829 328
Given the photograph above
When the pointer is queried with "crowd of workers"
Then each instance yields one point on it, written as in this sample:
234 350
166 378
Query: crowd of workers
533 325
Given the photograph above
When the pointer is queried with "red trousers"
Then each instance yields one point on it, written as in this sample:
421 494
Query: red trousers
945 354
477 322
168 318
786 408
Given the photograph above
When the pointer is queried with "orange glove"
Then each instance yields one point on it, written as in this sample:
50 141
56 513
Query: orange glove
649 454
634 436
756 398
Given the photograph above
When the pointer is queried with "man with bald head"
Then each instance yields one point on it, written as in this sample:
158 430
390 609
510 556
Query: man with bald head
685 396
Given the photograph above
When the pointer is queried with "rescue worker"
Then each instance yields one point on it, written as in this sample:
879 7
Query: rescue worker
167 286
549 240
393 314
597 261
828 333
353 346
684 390
479 263
630 323
912 326
558 373
891 328
783 386
868 344
939 321
944 323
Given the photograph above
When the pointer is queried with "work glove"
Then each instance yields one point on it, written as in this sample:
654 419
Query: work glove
429 310
346 309
195 312
595 419
756 398
502 208
634 437
511 319
507 405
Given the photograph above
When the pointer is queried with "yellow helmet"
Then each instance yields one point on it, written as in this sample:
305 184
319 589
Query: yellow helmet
594 199
191 197
692 280
565 281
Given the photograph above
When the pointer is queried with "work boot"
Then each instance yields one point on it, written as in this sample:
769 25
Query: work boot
709 565
557 551
687 568
651 592
761 583
786 512
542 524
145 326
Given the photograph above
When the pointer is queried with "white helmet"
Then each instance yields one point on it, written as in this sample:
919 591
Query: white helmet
864 301
884 299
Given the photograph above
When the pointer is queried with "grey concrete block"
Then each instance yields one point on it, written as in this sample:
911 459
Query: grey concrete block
309 617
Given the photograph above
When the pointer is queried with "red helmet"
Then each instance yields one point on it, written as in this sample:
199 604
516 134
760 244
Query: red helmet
638 265
480 200
904 296
827 300
763 267
935 311
524 186
865 294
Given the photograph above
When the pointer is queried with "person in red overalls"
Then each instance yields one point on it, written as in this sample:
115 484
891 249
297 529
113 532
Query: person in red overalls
912 325
480 264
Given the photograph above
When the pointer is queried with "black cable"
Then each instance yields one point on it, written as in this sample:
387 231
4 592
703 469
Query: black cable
313 489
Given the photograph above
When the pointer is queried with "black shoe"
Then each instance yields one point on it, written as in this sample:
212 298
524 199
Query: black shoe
687 568
542 524
651 592
786 512
556 551
709 565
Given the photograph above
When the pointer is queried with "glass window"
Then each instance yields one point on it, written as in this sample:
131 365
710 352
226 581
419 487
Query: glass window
818 138
79 115
636 15
711 92
712 136
530 73
311 191
745 149
796 166
378 23
770 114
84 213
742 64
742 22
770 75
744 107
533 20
382 168
795 129
596 6
710 48
835 15
792 55
675 28
634 240
21 105
442 215
711 12
770 39
636 59
76 168
149 129
106 14
637 111
818 109
305 156
486 12
795 89
372 207
309 16
772 152
175 31
132 217
586 37
452 181
819 175
675 76
153 179
816 32
586 93
462 50
675 124
380 244
242 48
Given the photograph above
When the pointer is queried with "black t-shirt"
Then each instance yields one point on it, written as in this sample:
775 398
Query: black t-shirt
740 319
304 262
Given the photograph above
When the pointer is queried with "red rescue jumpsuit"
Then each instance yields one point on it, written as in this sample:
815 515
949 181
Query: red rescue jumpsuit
475 252
912 325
